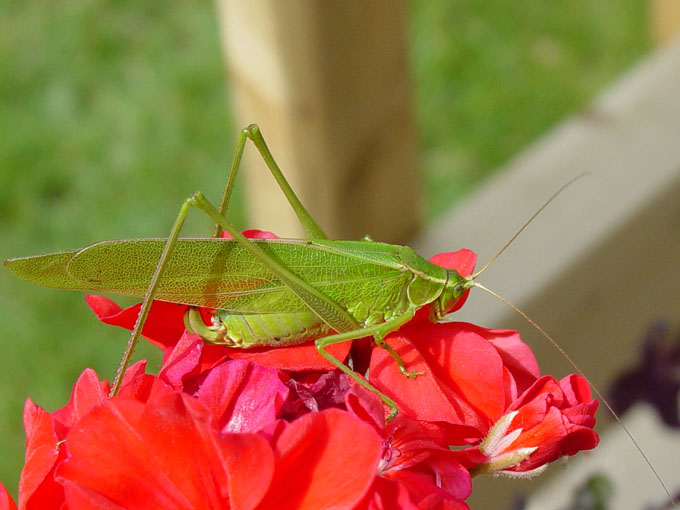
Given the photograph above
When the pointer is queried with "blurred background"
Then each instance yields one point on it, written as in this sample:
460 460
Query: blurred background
113 113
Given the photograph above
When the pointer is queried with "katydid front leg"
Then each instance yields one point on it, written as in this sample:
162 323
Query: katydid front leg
378 332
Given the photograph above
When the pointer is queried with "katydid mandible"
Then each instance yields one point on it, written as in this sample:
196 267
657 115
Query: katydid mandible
273 292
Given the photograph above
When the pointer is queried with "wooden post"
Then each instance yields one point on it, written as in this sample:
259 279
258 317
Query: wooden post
328 83
665 19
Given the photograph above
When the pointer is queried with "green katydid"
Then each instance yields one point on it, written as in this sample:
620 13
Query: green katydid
266 292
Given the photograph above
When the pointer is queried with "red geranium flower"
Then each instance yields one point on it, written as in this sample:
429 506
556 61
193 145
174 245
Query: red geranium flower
482 386
550 420
417 470
154 447
273 428
161 453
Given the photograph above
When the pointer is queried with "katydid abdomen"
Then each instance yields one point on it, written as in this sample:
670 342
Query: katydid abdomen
246 330
257 330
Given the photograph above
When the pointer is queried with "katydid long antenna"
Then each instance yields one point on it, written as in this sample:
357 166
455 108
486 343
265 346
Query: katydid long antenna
566 356
527 223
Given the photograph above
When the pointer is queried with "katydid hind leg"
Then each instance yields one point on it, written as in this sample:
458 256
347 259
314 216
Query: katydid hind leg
231 178
314 231
327 310
252 132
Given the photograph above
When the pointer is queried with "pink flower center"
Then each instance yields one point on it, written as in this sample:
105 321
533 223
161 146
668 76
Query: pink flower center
390 454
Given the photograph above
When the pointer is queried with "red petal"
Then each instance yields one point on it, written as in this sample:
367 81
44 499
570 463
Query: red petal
582 438
517 357
211 356
413 443
452 477
242 397
297 358
37 488
576 389
535 402
386 494
133 372
88 392
163 326
102 307
250 463
428 495
139 385
6 501
463 261
366 405
80 497
547 436
463 381
252 233
324 460
435 502
181 360
162 454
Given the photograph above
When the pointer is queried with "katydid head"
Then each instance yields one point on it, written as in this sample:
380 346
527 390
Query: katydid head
450 297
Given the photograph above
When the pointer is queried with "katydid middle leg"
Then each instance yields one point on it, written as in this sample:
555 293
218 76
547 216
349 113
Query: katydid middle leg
252 132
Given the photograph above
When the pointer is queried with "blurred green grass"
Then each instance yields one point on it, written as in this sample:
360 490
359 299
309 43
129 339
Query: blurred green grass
112 113
491 76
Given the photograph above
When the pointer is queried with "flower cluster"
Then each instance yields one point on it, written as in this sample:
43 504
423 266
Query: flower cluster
222 428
